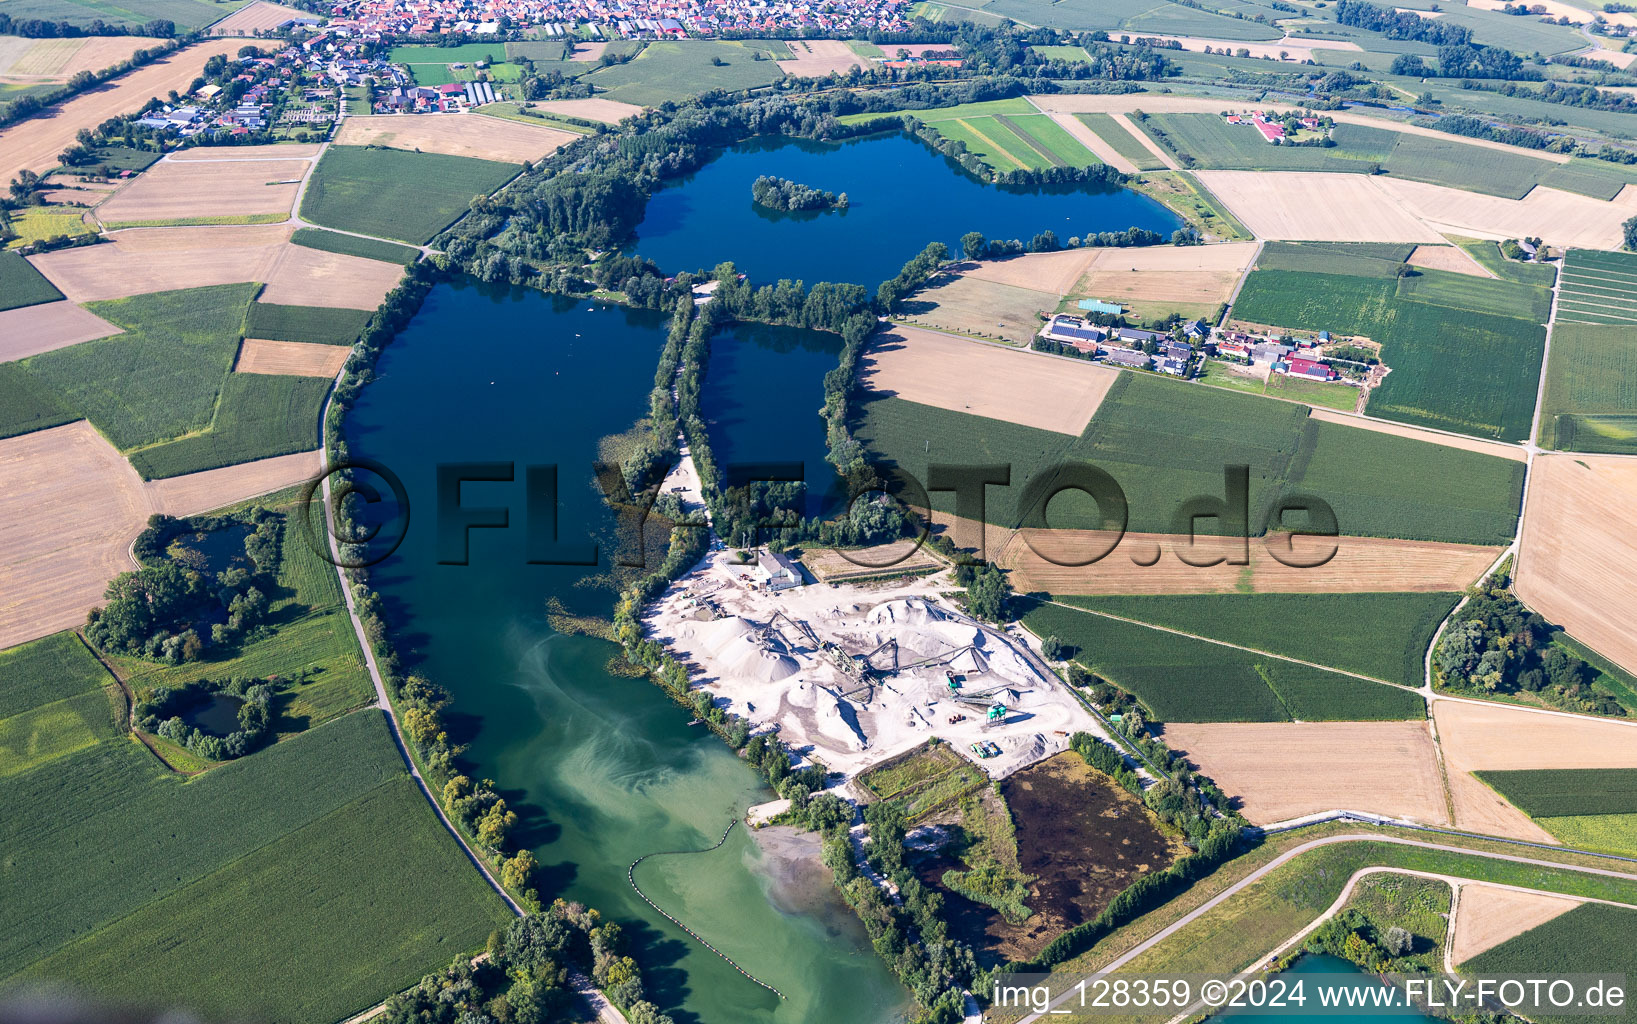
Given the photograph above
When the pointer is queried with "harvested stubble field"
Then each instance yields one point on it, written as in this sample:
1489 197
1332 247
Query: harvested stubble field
469 135
1053 272
1158 277
815 58
1496 737
1180 678
1098 146
1563 217
829 564
1452 258
215 488
985 380
34 144
597 109
1129 154
1488 915
979 308
271 151
175 189
291 358
1361 564
314 277
144 260
1286 770
51 325
1317 206
58 60
257 17
389 193
1577 560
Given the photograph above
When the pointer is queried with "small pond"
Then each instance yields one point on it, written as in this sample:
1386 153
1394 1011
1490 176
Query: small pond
902 195
217 714
1338 971
214 551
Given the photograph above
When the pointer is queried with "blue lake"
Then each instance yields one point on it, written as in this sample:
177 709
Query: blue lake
902 194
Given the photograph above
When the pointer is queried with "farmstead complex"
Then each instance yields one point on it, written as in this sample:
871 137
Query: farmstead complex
523 511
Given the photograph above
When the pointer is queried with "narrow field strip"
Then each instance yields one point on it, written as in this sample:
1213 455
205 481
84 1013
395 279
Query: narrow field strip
1031 141
996 149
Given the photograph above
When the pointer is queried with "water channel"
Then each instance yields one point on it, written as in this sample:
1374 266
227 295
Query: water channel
603 767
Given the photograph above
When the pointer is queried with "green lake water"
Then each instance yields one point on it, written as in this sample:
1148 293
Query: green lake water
1333 971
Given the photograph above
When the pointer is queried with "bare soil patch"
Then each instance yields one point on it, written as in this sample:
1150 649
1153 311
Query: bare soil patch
1284 770
1447 257
1147 143
473 135
300 276
261 15
1318 206
1470 444
290 358
174 189
35 143
588 52
1577 555
272 151
984 309
1562 218
1478 737
162 259
51 325
200 492
1094 142
1487 916
816 58
1361 565
986 380
610 111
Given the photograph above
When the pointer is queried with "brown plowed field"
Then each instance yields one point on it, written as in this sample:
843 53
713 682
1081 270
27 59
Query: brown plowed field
1487 916
162 259
816 58
300 276
290 358
246 21
1498 737
1447 257
1577 556
1284 770
51 325
200 492
174 189
986 380
474 135
1361 565
35 143
611 111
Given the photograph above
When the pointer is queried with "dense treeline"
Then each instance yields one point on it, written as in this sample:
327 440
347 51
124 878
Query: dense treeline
794 197
176 606
39 28
1466 60
525 976
1587 97
27 106
1399 24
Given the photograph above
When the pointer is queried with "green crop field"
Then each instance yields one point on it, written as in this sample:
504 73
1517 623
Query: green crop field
348 908
1049 139
1358 259
390 193
1460 164
1599 179
466 53
27 404
1593 937
681 70
187 14
1473 373
1165 441
993 141
1477 294
1591 390
351 245
1608 833
21 285
38 223
55 698
1180 679
1565 792
313 638
45 670
259 416
1378 635
320 325
158 380
1488 255
1121 141
1598 288
1014 107
1206 140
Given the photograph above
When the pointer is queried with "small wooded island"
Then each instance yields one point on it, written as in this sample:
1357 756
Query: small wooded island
793 196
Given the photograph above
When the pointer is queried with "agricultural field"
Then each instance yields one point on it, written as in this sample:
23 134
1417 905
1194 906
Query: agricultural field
38 223
1317 206
1017 106
1569 792
1477 294
25 406
257 417
1590 403
1598 288
205 191
1123 142
320 325
1606 833
295 826
22 285
1355 259
1456 163
1206 140
295 358
261 15
1182 679
467 135
145 260
1471 373
969 305
187 14
388 193
679 70
58 60
57 699
352 245
1489 915
1599 179
1146 433
1564 945
1156 281
1345 631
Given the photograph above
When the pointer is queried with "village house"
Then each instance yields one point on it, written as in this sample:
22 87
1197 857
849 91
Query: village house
1073 331
1133 358
1304 368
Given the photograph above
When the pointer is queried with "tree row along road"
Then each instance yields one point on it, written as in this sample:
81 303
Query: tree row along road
1290 855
